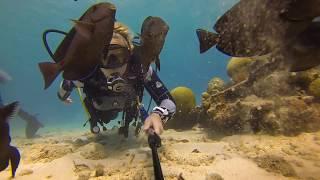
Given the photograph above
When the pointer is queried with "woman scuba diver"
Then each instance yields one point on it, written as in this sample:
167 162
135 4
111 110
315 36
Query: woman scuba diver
117 85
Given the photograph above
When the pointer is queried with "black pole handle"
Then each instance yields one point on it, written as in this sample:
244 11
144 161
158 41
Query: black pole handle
154 143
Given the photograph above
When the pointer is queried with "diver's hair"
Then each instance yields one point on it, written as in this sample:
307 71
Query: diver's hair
124 31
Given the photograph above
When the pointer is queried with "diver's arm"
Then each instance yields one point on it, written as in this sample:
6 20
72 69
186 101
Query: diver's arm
165 104
65 90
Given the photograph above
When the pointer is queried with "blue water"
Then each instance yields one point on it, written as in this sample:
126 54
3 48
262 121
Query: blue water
21 48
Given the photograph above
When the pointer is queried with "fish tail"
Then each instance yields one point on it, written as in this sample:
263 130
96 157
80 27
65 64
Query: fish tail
8 110
49 72
207 39
14 159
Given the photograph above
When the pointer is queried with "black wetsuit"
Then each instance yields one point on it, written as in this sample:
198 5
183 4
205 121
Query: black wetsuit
104 104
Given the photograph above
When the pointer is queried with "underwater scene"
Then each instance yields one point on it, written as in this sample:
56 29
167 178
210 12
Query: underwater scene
170 89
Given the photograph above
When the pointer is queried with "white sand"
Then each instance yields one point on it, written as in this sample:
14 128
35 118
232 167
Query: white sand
189 155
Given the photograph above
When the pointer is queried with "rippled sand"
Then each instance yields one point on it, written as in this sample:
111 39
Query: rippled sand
193 154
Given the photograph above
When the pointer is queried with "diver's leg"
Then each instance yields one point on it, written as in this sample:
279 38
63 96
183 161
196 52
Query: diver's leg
107 116
130 114
93 116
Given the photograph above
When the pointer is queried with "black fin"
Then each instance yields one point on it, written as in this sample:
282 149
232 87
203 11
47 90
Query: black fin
14 159
8 110
207 39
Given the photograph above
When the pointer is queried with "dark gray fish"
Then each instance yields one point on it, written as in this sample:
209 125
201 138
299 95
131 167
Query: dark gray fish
33 124
7 152
303 52
300 10
83 49
252 28
153 34
258 27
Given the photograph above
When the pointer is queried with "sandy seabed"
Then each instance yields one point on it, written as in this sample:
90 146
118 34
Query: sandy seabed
193 154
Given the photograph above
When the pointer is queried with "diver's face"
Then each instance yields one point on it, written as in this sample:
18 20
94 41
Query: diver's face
115 57
115 60
119 71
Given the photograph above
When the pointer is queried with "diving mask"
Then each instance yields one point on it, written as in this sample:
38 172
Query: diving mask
116 57
115 61
118 52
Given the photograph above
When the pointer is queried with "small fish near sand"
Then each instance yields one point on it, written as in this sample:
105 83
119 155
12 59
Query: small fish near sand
82 49
153 34
8 152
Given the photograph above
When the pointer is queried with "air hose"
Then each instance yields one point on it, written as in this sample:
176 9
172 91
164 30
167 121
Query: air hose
45 42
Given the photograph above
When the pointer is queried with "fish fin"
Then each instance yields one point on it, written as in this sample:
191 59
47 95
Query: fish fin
49 71
84 28
158 63
32 128
32 123
207 39
8 110
14 159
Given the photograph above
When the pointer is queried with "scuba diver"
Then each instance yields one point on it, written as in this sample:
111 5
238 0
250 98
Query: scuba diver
32 123
118 85
99 56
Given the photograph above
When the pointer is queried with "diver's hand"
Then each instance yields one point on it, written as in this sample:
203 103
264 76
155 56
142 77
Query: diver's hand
153 121
68 101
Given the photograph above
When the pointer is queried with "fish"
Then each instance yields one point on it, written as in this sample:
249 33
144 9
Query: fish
252 28
300 10
8 152
4 77
82 49
260 27
152 38
33 124
303 52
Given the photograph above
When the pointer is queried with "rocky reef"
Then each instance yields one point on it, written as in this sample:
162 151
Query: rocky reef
268 99
187 113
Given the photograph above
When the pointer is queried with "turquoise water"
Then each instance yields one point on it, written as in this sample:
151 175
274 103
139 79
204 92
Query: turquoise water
21 49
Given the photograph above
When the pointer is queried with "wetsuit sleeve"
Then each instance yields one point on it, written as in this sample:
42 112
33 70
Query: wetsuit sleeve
159 92
65 90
